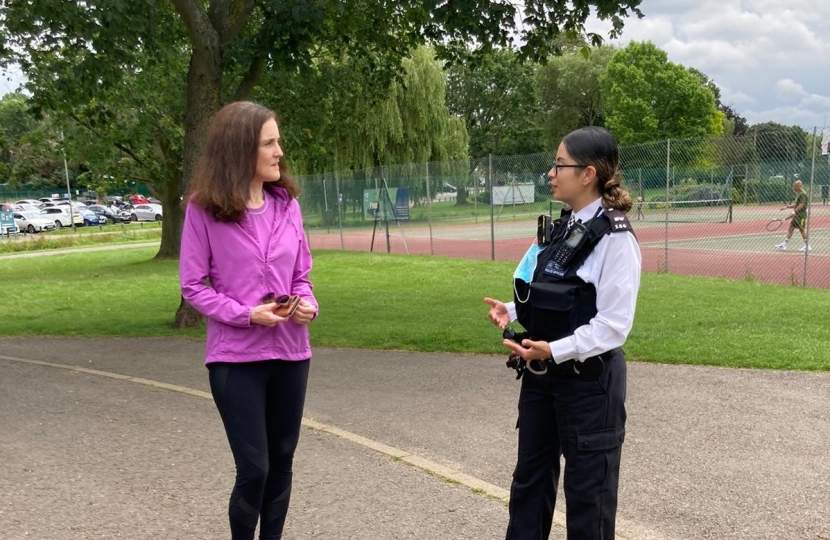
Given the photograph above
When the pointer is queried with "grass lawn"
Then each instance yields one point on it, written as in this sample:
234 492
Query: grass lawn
423 304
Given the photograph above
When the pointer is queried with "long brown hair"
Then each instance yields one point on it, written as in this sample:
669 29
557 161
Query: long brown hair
596 146
222 180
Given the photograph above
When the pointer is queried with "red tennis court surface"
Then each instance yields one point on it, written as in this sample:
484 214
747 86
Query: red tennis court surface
737 250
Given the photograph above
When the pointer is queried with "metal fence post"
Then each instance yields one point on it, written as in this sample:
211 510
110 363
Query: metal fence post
492 218
429 210
668 189
808 242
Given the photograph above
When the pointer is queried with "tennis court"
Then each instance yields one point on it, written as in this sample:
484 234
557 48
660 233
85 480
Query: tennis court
712 240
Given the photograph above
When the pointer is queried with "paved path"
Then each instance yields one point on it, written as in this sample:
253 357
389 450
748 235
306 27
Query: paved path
710 453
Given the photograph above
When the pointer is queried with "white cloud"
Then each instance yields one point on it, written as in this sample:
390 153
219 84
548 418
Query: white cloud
771 58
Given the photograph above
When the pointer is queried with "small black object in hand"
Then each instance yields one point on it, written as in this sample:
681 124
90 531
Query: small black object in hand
511 334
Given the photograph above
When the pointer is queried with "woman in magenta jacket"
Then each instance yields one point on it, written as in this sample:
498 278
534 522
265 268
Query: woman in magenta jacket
243 253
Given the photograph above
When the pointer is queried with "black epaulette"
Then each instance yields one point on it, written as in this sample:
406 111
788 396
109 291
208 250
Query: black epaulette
619 221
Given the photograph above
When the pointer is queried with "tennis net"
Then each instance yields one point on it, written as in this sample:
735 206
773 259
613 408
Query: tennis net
696 211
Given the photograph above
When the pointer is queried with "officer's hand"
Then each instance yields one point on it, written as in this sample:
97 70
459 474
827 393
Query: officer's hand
264 315
529 350
498 313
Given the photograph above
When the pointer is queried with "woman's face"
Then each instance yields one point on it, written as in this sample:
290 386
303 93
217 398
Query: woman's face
270 153
568 179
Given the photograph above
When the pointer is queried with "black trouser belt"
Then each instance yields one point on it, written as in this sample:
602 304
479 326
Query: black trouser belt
589 369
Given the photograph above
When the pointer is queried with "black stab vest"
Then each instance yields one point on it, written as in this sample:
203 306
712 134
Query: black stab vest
555 304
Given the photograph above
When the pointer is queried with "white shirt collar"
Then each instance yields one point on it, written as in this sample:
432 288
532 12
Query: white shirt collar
587 213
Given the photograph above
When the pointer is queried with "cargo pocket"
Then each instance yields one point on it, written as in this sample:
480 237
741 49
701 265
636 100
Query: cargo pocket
598 461
596 441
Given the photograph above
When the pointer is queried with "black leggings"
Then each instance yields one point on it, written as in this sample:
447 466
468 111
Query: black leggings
261 404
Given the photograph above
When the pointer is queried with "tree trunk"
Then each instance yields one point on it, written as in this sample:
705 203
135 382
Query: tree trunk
204 89
186 316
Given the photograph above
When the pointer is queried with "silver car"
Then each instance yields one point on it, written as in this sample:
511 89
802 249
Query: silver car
146 212
32 222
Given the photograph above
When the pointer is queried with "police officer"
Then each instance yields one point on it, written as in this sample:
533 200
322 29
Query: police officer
574 293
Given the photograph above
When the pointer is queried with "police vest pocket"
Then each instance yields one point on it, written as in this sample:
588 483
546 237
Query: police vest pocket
554 296
596 441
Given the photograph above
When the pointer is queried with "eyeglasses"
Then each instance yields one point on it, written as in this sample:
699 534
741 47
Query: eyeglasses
557 166
281 300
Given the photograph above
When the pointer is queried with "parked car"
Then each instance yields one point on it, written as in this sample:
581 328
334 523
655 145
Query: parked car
111 216
32 222
61 217
447 188
27 208
146 212
33 202
90 217
137 199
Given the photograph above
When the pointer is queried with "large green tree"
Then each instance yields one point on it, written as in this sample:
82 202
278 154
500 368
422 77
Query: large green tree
777 142
15 121
570 92
496 98
340 123
648 98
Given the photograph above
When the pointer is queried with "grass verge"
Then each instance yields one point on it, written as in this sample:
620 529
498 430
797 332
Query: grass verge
429 304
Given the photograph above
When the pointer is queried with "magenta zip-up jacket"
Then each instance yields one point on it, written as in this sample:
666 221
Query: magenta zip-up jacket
223 273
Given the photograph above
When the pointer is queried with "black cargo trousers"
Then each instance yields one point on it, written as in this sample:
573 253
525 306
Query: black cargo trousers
580 418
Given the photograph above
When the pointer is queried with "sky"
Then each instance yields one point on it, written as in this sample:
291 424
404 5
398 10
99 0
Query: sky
10 80
770 58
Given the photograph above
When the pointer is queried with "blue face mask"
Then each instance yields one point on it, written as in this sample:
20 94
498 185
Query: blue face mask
527 265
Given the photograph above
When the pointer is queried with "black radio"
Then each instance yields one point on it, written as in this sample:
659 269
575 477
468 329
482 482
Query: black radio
568 248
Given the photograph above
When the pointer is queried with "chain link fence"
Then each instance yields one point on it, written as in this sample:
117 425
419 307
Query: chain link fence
701 207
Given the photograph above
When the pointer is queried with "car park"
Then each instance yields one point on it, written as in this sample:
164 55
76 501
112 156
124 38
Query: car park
60 216
146 212
32 222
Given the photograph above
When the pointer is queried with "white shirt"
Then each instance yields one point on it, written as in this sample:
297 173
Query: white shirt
613 267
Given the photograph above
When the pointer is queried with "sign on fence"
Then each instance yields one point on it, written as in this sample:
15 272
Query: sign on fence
7 225
386 204
513 194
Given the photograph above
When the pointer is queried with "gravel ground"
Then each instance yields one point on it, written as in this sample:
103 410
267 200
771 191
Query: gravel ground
710 453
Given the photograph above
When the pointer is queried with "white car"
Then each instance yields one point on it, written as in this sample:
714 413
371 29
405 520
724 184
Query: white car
26 208
59 215
32 222
146 212
33 202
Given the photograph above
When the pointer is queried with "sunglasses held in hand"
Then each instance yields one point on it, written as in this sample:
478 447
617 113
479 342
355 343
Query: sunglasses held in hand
286 304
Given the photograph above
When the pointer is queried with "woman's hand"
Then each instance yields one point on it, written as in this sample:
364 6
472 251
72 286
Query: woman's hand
264 314
304 313
498 313
529 350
